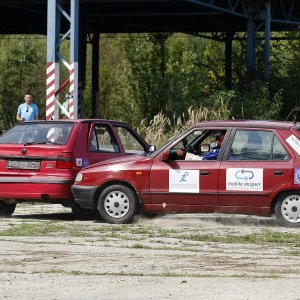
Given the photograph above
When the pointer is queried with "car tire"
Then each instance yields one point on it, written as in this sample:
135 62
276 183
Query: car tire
287 209
6 210
117 204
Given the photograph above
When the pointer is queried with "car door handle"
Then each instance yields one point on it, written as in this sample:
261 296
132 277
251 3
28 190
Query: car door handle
278 172
204 172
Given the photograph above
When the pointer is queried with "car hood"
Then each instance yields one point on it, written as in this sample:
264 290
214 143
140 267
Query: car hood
123 160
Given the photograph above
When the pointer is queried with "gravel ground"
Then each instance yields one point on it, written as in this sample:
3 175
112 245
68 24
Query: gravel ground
47 253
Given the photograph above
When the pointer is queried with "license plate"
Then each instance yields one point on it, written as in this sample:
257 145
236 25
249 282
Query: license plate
24 164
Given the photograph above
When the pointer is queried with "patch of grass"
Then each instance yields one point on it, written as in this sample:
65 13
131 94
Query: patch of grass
55 271
163 274
142 230
294 253
111 228
140 246
78 232
26 229
265 237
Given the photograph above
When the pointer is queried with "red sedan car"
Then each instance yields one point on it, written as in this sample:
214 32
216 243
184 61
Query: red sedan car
246 167
39 160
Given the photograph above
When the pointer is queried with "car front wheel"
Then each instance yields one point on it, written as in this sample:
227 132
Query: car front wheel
117 204
287 210
6 210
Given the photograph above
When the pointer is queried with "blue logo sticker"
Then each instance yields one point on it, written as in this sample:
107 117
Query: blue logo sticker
297 176
184 176
85 162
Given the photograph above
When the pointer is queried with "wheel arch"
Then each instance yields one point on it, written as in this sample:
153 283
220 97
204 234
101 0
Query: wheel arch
120 182
279 195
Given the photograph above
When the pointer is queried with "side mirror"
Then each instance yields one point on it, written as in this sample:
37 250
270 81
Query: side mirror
152 148
205 148
164 156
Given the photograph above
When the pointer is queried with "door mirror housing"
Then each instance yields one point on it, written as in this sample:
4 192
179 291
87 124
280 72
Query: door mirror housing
152 148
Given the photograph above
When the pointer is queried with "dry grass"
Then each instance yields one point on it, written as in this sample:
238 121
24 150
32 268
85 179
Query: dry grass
161 128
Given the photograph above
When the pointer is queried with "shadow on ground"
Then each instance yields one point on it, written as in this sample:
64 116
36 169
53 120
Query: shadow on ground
38 213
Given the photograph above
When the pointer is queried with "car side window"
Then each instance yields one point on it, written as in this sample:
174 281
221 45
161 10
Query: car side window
103 140
201 144
130 143
252 145
279 153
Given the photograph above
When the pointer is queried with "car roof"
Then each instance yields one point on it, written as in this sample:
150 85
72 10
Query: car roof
250 123
76 121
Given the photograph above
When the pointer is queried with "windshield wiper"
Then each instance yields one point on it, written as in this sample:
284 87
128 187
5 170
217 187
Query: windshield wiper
34 143
42 143
53 143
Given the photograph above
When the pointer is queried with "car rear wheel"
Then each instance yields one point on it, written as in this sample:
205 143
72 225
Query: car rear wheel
117 204
6 210
287 210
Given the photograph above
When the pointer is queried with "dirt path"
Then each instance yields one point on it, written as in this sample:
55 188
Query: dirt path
46 253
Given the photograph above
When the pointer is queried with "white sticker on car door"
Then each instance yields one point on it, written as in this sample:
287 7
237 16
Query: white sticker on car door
293 141
184 181
244 179
78 162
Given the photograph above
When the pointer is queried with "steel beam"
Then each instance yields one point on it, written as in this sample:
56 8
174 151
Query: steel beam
228 7
81 70
95 76
228 60
52 81
54 57
251 42
74 43
267 38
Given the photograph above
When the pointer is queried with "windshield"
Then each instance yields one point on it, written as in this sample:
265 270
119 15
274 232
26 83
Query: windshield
159 150
38 133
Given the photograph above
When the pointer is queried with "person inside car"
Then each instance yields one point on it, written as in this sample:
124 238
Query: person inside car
212 154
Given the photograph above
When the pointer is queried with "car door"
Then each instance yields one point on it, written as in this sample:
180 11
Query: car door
102 144
130 141
255 164
188 184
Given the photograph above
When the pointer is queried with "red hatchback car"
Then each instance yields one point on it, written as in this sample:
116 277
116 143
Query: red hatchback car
245 167
39 160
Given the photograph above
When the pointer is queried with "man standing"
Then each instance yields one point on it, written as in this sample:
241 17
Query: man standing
28 111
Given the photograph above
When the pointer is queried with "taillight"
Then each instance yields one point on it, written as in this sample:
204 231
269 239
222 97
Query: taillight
64 160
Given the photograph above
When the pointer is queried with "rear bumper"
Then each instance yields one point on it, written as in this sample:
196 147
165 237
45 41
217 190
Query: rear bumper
43 189
84 195
37 180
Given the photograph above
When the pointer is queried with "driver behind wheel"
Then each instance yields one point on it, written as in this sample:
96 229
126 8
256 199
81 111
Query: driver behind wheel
214 146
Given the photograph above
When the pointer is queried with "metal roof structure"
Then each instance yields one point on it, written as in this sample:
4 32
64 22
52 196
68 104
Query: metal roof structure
74 19
116 16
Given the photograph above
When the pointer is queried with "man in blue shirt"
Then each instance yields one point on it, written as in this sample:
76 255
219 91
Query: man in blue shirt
28 111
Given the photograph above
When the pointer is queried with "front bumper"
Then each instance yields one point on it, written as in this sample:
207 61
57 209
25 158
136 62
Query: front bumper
84 195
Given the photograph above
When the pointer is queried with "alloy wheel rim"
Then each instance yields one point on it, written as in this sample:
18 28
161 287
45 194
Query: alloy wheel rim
290 208
116 204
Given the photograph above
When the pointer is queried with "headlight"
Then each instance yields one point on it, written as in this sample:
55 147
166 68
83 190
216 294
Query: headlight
79 177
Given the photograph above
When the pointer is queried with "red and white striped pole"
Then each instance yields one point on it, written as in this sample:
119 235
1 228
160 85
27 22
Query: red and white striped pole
50 92
52 81
54 57
71 90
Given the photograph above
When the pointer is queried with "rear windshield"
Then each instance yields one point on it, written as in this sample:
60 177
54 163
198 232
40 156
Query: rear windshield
38 133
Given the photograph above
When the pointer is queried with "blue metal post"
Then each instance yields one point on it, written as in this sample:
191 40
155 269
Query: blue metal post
228 60
267 39
74 44
52 82
95 76
251 42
